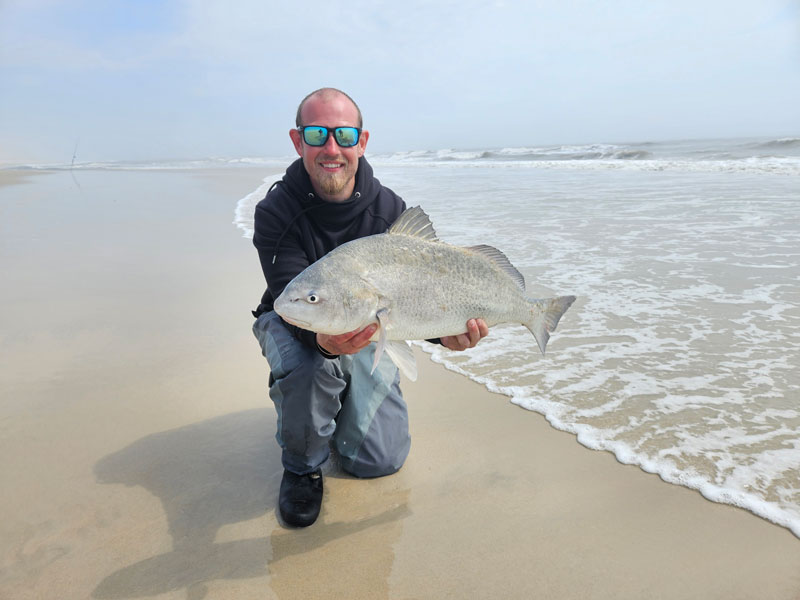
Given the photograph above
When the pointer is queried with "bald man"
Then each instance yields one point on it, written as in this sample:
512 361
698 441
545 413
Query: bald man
321 385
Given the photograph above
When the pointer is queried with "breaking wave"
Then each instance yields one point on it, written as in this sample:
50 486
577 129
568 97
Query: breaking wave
780 156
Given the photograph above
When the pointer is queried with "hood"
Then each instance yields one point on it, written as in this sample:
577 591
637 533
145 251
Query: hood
333 214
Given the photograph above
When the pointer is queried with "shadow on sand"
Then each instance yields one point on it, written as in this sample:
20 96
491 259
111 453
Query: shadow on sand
218 472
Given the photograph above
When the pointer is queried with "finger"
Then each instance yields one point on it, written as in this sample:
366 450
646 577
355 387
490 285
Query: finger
361 339
463 341
451 342
345 338
473 333
483 328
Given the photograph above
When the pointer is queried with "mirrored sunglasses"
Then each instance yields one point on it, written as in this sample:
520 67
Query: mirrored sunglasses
315 135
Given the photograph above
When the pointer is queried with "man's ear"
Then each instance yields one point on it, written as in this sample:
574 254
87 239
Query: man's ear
362 142
297 140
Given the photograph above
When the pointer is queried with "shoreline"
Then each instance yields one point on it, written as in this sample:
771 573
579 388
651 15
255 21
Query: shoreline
139 458
711 492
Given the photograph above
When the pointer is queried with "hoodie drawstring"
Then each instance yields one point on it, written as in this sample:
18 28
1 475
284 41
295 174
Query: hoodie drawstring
289 225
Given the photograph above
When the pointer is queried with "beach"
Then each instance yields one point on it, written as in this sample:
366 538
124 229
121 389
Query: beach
138 454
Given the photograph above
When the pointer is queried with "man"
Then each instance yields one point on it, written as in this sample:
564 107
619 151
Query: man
321 385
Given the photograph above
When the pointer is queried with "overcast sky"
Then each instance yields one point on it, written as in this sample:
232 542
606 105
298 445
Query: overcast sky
150 79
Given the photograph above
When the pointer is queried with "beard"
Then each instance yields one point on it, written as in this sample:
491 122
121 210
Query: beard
334 184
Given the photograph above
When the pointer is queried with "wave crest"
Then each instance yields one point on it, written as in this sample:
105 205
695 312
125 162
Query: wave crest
781 143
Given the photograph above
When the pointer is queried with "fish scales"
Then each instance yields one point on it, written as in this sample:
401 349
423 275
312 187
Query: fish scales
432 288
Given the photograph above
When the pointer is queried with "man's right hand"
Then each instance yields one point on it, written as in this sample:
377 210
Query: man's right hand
346 343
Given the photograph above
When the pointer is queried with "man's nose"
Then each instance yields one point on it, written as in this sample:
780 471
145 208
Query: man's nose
330 144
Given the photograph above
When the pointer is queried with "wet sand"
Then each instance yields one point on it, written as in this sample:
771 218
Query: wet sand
138 457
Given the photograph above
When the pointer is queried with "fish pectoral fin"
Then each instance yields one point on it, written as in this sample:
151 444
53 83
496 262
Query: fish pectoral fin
402 355
382 315
398 350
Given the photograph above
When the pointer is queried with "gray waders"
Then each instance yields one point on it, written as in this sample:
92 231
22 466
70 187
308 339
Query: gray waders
321 401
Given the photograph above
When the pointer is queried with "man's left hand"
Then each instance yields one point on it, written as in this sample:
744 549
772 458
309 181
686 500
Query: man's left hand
476 330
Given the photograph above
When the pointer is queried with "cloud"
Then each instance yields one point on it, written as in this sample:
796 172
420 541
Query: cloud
214 77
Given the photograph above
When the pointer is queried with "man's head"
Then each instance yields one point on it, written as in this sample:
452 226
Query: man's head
331 167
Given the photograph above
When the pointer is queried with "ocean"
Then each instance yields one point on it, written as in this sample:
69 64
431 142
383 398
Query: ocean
682 353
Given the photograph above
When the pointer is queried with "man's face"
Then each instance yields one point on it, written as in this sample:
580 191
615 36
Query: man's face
332 168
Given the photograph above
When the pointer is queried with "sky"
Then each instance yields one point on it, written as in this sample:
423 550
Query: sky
147 80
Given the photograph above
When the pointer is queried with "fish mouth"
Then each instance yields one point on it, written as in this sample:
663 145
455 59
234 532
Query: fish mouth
296 322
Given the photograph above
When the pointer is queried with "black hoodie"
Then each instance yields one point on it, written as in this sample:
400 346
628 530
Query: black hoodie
294 228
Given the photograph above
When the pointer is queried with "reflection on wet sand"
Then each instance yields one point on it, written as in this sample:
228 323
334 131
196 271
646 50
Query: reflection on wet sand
212 475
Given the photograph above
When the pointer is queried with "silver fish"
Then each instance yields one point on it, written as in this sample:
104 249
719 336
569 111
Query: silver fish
414 287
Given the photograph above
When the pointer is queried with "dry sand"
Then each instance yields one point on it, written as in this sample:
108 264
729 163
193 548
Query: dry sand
138 459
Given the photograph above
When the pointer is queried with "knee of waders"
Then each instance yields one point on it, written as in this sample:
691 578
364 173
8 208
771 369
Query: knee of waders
380 455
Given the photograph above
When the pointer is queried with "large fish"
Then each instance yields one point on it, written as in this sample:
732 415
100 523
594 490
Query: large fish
414 287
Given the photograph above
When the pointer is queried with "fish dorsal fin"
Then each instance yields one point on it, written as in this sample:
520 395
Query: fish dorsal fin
416 223
501 260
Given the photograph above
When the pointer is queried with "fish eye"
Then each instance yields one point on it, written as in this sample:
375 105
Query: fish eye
312 298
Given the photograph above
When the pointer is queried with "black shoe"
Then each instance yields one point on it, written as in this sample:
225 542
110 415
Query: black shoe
300 498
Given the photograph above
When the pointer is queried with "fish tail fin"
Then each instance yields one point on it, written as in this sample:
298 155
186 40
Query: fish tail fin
545 315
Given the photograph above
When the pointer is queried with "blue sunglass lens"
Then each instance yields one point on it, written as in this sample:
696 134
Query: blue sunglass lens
346 136
317 136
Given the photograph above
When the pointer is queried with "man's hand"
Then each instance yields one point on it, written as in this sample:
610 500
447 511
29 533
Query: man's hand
346 343
476 330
